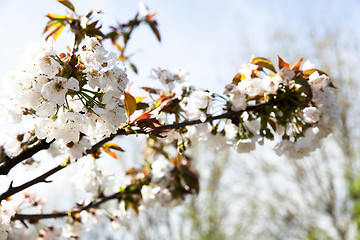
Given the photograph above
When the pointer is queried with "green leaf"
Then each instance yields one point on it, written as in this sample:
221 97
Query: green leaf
67 4
264 63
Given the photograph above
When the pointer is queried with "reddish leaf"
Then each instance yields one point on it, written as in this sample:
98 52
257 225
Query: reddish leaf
311 71
296 67
282 63
134 206
112 154
143 116
150 16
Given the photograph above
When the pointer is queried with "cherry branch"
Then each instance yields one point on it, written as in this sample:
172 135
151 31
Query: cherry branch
93 204
7 163
42 178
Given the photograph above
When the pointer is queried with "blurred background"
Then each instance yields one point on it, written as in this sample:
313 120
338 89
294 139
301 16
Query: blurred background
243 196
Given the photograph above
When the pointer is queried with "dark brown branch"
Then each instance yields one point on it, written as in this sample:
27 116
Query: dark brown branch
95 203
42 178
227 115
8 163
12 190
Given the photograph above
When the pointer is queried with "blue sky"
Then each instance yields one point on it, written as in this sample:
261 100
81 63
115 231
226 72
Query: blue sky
210 39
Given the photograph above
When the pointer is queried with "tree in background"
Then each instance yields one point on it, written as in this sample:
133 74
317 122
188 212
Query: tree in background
317 197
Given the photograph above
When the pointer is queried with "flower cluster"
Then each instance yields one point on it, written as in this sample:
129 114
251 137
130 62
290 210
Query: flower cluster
295 104
168 78
322 116
10 229
158 193
68 95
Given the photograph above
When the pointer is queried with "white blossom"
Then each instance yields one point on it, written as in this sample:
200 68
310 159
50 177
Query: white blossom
60 108
56 89
72 230
202 132
93 216
168 78
90 178
49 233
248 69
245 145
311 114
161 169
286 74
120 217
199 105
143 10
308 65
153 196
148 194
78 149
13 145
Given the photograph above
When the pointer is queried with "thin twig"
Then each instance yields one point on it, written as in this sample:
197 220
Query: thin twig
95 203
42 178
8 163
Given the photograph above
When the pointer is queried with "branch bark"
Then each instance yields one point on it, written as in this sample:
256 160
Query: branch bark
95 203
42 178
8 163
